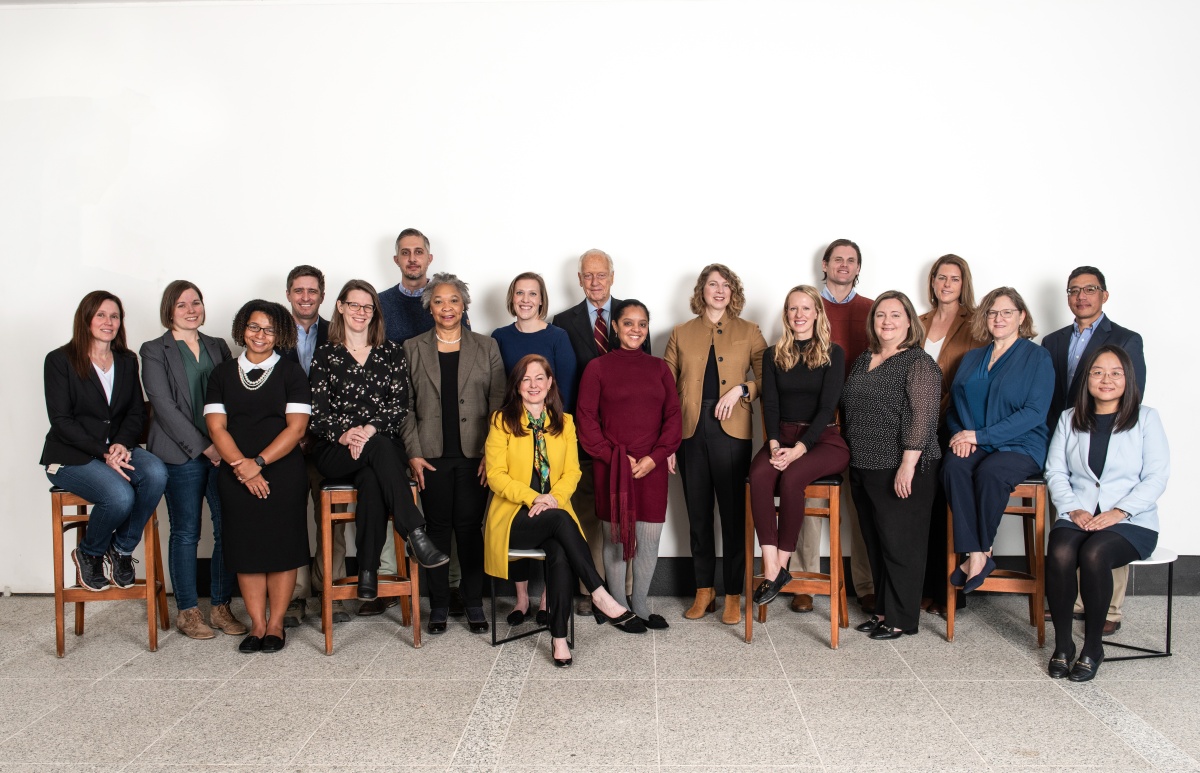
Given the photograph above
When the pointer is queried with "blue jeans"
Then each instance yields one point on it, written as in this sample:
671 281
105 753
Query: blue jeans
188 485
120 508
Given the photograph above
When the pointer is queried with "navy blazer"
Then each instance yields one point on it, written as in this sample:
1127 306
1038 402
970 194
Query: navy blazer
83 423
322 337
174 437
1058 344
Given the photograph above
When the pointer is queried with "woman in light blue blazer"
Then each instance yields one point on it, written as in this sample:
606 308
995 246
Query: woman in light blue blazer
1107 465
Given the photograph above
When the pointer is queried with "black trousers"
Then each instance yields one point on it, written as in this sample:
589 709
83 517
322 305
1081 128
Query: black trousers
714 466
380 474
567 558
455 503
895 532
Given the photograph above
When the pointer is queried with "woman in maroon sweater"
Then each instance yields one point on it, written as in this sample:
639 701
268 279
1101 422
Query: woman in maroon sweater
627 415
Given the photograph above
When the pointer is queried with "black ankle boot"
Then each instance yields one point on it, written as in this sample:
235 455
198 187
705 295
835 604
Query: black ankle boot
420 547
368 585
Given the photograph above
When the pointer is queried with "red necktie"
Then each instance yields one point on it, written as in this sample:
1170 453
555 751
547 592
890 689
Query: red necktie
600 332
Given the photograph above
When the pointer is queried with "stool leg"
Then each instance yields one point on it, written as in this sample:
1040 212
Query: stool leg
402 571
1027 525
1039 563
838 617
414 577
148 537
160 580
79 604
327 570
56 524
749 582
1170 599
951 559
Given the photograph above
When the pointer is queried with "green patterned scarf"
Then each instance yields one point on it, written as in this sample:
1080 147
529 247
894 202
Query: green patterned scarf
541 462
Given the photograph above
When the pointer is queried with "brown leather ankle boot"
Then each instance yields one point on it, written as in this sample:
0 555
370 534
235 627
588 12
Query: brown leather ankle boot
733 610
705 602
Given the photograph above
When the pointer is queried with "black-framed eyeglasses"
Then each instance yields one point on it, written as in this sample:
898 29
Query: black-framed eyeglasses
1086 290
352 306
253 328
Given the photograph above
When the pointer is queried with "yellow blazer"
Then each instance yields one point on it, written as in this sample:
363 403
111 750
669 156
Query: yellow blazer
509 468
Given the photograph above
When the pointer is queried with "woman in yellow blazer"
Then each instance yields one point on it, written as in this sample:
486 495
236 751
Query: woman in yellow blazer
532 469
710 357
948 336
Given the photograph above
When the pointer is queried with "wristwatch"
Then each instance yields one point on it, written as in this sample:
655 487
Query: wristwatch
1122 512
261 462
745 391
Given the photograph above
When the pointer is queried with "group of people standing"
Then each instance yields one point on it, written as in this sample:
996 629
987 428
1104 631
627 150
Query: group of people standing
573 426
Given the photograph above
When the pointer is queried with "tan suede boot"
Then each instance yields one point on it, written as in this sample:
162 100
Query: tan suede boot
733 610
222 618
192 625
705 602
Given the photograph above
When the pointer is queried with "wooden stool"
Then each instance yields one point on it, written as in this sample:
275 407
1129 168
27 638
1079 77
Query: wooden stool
534 554
832 585
1160 556
339 493
1031 506
150 589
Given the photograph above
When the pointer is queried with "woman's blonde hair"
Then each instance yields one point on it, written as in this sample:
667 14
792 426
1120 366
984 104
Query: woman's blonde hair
737 301
817 354
979 321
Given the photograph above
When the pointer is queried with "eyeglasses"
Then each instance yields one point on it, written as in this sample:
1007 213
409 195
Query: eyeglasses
355 307
267 331
1004 313
1086 290
1098 374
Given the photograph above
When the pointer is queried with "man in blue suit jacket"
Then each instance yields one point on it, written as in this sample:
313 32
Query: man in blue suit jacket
1087 292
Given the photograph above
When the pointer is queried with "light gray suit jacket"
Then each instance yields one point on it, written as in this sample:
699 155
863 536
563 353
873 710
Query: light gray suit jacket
173 436
1134 476
480 392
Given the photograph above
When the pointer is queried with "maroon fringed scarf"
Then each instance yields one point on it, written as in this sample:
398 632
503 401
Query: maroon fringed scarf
620 496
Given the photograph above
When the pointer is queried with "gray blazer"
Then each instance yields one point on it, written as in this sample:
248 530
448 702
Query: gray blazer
173 436
480 392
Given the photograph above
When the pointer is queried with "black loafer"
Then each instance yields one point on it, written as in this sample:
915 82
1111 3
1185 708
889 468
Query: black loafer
368 585
516 617
767 590
885 633
250 645
476 622
272 643
1060 664
868 626
437 620
656 622
1085 669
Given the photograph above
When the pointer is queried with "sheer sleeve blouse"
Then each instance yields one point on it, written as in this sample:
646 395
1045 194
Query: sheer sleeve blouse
892 409
346 394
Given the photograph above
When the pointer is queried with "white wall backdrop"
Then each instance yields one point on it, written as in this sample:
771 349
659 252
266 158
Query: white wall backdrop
225 142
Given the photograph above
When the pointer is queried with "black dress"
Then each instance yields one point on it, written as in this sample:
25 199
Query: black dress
262 535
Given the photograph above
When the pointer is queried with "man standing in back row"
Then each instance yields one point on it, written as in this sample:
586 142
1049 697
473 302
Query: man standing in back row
1087 292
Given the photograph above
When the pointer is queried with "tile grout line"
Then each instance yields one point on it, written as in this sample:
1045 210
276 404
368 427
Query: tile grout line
657 717
478 700
792 691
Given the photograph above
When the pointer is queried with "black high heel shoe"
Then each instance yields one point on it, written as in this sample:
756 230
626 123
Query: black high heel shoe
628 622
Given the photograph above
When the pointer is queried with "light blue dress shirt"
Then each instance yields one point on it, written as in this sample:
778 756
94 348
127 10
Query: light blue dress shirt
1079 342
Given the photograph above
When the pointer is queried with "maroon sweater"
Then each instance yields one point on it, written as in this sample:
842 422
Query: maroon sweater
628 398
848 326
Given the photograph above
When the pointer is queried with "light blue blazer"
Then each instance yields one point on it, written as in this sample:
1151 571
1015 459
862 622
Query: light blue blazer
1135 470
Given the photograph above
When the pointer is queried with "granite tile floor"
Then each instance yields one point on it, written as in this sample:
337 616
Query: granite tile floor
693 698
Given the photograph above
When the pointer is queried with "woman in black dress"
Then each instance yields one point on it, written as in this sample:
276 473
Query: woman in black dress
257 410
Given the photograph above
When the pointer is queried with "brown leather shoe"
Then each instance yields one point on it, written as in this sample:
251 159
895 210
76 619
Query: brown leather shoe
867 603
192 625
222 619
376 606
732 614
802 602
705 602
1111 627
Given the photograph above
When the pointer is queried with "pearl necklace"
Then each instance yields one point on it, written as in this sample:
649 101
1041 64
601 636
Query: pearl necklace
448 343
253 385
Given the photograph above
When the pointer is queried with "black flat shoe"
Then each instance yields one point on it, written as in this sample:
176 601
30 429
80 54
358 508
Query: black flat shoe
767 590
958 577
542 618
516 617
869 625
1060 664
271 643
1085 669
250 645
421 547
630 623
368 585
989 566
476 622
437 620
883 632
656 622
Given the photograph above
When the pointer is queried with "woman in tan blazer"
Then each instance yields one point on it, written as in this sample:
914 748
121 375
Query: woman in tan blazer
458 381
710 357
948 336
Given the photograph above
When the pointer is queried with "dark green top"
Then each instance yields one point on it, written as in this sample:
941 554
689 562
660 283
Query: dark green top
197 377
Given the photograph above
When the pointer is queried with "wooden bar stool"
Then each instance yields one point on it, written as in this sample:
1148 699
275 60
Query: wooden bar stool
535 554
1161 556
336 497
152 588
1030 496
832 585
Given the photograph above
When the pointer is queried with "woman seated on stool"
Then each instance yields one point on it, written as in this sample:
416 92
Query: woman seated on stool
532 470
801 383
997 421
94 400
1107 465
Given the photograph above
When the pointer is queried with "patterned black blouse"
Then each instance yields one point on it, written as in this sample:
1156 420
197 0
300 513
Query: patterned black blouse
346 394
892 409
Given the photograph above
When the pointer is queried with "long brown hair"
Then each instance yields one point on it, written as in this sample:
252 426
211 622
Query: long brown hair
79 350
817 353
512 413
966 297
916 331
1084 419
376 332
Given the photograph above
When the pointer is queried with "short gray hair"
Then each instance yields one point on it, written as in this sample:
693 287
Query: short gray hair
445 279
594 253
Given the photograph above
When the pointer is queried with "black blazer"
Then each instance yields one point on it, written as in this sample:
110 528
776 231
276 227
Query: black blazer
1058 344
577 322
322 337
173 437
82 422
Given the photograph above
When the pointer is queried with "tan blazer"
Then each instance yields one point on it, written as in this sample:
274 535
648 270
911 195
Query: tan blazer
739 347
480 391
958 341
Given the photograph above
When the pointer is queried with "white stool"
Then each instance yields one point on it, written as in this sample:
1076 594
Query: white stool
1161 556
535 554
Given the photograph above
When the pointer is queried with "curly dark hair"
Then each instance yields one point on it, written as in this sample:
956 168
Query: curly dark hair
281 320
